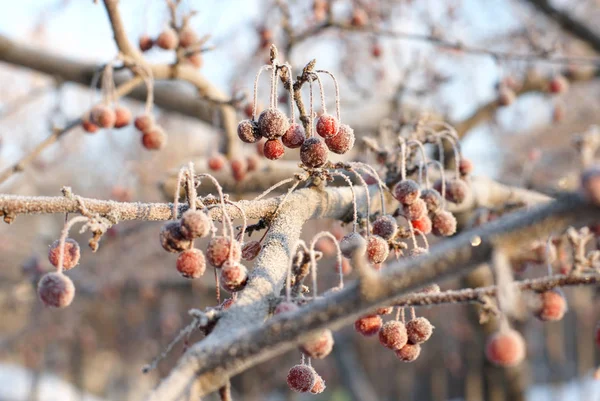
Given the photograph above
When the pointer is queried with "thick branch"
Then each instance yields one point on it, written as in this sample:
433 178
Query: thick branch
123 43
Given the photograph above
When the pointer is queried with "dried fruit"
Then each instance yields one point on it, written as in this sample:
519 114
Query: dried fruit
444 223
274 149
377 249
154 139
343 141
553 306
368 325
195 224
313 152
294 137
217 251
415 210
251 250
172 239
385 226
327 126
167 39
419 330
301 378
407 191
505 348
248 131
234 276
352 243
71 256
409 353
122 117
319 345
56 290
433 199
393 335
103 116
273 123
191 263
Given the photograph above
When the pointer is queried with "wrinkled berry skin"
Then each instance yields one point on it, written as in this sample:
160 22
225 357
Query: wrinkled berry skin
273 123
56 290
294 137
274 149
313 152
343 141
248 131
327 126
385 227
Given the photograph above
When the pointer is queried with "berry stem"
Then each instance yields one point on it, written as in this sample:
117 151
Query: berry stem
549 256
217 287
321 92
272 99
63 237
507 292
403 158
440 167
412 233
368 201
354 205
337 248
273 187
244 219
311 109
371 171
264 67
226 219
291 90
293 187
288 277
413 315
192 193
337 93
177 193
457 157
424 237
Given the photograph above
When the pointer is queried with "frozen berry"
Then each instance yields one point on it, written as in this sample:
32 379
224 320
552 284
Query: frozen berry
359 17
552 306
274 149
409 353
248 131
318 345
216 162
313 152
377 249
590 184
558 84
327 126
418 251
368 325
217 251
319 386
89 126
385 227
352 243
444 223
433 199
56 290
273 123
505 348
239 168
343 141
122 117
419 330
234 276
187 37
284 307
250 250
167 39
103 116
144 122
145 43
423 224
191 263
154 139
195 224
465 167
294 137
407 191
71 254
393 335
172 239
301 378
416 210
456 190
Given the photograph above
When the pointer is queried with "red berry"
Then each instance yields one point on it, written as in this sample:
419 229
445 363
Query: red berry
456 190
144 122
319 345
352 243
71 255
393 335
377 249
195 59
465 167
505 348
234 276
89 126
273 123
416 210
409 353
195 224
590 184
274 149
167 39
301 378
103 116
187 37
385 227
172 238
558 84
191 263
217 251
359 17
313 152
216 162
251 250
376 50
239 168
419 330
56 290
252 162
346 267
444 223
154 139
285 307
433 199
343 141
319 386
327 126
294 137
248 131
423 224
407 191
122 116
368 325
552 306
145 43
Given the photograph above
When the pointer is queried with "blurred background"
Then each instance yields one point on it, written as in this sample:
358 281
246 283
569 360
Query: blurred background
486 67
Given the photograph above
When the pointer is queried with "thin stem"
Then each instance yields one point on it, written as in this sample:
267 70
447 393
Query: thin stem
354 205
177 193
264 67
403 159
192 194
288 277
63 237
368 202
440 167
291 90
227 221
337 94
371 171
244 219
273 97
337 248
273 187
321 92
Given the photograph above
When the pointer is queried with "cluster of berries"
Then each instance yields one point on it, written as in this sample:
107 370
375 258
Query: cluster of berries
55 289
170 39
508 88
304 379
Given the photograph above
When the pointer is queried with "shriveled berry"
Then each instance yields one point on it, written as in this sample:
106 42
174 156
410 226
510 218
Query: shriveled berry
465 167
285 306
318 345
145 43
122 117
418 251
154 139
273 123
505 348
251 250
103 116
553 306
217 251
393 335
343 141
88 126
351 243
385 311
377 249
234 276
313 152
172 239
195 224
327 126
590 184
385 226
319 386
187 37
407 191
216 162
294 137
71 256
248 131
368 325
456 190
239 168
274 149
167 39
415 210
433 199
444 223
423 224
409 353
144 122
56 290
191 263
419 330
301 378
